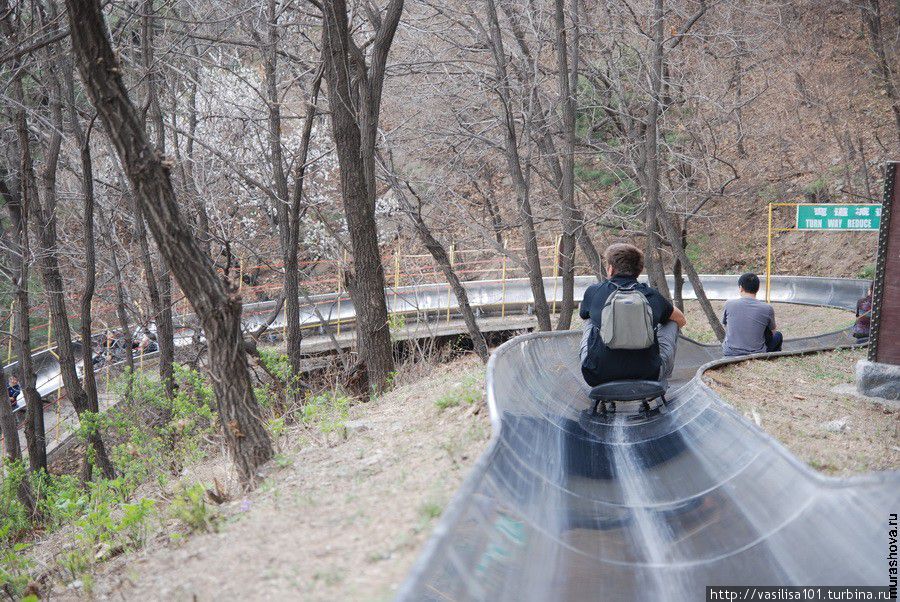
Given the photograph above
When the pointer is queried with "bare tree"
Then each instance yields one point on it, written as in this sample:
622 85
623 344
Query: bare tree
17 272
567 184
516 171
14 452
42 212
872 19
439 253
217 307
159 284
355 87
288 199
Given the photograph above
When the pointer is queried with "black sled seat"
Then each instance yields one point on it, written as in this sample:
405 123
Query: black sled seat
627 390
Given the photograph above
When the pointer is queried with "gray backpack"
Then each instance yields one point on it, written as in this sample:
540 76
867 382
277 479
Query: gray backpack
626 321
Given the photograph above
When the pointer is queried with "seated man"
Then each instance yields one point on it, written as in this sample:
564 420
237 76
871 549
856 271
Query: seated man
863 316
749 322
13 389
602 362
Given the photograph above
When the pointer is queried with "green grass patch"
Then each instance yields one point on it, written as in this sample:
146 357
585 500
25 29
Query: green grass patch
326 411
817 187
597 177
867 272
466 392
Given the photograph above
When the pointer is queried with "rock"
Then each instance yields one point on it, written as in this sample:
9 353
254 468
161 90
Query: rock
878 380
372 460
836 426
356 426
756 417
888 406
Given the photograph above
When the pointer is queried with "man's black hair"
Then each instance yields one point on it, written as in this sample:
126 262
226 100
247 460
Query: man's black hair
749 282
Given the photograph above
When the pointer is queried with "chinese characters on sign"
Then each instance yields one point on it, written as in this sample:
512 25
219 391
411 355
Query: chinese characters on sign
838 217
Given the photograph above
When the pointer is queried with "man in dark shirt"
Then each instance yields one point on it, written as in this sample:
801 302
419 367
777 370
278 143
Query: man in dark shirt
863 316
13 389
599 363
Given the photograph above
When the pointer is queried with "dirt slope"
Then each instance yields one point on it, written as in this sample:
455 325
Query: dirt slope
337 518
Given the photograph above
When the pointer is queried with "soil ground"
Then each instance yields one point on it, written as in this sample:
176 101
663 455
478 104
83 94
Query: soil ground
340 516
793 399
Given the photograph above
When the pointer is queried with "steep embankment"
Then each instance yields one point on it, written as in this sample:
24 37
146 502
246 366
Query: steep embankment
339 516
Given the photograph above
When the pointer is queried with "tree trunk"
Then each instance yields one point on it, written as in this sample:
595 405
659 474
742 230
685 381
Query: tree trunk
217 307
122 316
678 273
437 251
161 293
654 266
462 298
35 436
10 433
90 276
291 283
44 216
287 210
864 168
351 101
674 236
532 253
89 382
188 165
567 184
9 430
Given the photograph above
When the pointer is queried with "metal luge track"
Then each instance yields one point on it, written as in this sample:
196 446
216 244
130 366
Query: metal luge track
561 507
430 302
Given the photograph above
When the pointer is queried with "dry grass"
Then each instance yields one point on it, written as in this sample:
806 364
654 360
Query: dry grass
793 320
793 397
341 515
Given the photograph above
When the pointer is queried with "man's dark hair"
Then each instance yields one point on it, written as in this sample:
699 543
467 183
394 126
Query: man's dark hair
749 282
625 259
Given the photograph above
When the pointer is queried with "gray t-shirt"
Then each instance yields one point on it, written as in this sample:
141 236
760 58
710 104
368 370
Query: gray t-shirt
746 320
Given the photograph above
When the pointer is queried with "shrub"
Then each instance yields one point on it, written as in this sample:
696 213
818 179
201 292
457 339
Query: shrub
156 433
15 568
189 507
396 323
817 189
14 519
867 272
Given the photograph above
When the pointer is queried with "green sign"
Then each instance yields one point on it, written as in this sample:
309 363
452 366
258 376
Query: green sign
838 217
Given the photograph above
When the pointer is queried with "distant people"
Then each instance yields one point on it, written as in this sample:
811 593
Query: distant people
863 316
114 345
147 344
749 323
13 389
631 331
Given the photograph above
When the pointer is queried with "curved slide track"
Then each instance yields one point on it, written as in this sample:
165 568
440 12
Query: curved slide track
566 507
